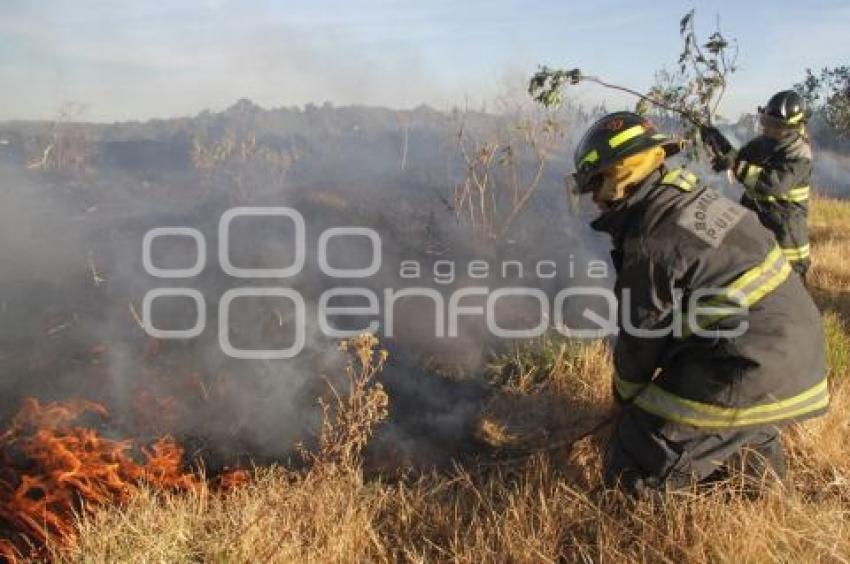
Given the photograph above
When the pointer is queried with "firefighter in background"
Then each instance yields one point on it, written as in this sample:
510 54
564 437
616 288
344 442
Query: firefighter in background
699 400
775 169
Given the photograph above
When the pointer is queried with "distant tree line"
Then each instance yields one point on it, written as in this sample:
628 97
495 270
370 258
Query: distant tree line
828 96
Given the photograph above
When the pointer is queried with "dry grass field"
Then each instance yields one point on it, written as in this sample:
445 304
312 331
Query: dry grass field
526 499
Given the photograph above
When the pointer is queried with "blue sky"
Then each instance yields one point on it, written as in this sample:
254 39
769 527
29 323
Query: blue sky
157 58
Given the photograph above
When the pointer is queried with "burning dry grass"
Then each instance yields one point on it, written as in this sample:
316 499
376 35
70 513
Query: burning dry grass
51 463
55 465
548 506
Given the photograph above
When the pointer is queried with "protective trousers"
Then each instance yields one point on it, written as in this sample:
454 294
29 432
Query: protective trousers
646 452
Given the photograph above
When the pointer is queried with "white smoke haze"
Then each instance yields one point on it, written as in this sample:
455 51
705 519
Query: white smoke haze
832 173
72 276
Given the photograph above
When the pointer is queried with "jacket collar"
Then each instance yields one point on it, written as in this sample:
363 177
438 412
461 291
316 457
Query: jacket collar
616 220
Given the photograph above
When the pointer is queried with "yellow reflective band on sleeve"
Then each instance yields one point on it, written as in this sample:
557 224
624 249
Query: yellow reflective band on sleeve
668 406
680 178
795 119
625 135
797 253
751 176
799 194
795 195
626 389
590 157
746 290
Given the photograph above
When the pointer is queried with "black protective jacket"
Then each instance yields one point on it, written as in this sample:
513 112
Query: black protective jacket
672 238
776 176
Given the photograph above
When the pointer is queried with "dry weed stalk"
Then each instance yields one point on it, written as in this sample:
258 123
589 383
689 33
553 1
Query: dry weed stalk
241 158
68 148
495 188
349 421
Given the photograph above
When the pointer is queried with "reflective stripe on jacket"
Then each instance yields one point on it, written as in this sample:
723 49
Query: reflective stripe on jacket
674 238
776 177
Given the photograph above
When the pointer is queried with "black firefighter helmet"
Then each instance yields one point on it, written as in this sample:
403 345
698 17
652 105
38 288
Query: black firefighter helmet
785 109
612 139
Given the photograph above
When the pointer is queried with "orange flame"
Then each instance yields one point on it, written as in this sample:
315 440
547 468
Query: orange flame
52 467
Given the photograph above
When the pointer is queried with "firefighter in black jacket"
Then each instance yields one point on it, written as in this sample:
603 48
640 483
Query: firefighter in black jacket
719 344
775 169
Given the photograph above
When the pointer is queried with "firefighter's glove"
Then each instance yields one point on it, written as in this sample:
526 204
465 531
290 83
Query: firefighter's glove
715 140
722 153
724 162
